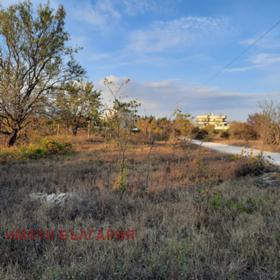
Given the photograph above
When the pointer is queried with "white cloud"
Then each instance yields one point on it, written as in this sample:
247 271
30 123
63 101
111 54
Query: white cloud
160 98
160 84
271 41
103 13
258 61
99 56
134 7
264 59
164 35
241 69
265 45
7 3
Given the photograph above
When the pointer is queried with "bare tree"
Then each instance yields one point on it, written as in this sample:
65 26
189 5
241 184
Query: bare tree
270 122
122 119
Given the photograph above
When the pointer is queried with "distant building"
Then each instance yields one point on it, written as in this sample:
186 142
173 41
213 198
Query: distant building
219 122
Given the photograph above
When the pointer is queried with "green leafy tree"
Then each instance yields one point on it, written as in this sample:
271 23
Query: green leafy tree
79 105
34 60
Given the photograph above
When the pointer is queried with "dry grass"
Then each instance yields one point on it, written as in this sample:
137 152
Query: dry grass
194 218
256 144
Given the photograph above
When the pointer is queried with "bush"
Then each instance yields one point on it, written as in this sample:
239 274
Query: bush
225 135
219 202
200 134
54 146
242 131
254 166
30 151
45 147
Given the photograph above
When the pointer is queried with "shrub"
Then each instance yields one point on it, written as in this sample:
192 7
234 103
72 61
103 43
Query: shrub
121 181
267 123
225 135
45 147
242 131
200 134
55 146
254 166
238 205
31 152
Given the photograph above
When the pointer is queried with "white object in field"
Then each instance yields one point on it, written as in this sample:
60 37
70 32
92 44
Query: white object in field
53 198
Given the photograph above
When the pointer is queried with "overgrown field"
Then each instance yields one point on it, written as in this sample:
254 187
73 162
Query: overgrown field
197 214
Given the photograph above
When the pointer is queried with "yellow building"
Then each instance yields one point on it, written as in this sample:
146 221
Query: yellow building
218 121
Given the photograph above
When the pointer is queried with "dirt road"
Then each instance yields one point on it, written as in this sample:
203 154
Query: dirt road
235 150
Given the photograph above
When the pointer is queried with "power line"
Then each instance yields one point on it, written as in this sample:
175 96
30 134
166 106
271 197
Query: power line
249 47
271 28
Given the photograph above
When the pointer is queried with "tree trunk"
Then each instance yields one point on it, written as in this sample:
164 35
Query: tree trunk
57 129
89 127
13 138
75 130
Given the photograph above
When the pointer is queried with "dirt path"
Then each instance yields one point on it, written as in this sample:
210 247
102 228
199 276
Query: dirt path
235 150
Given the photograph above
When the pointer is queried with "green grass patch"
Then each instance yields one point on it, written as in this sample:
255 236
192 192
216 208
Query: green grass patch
43 148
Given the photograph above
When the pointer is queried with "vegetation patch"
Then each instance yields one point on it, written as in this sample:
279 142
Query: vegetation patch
219 202
253 166
45 147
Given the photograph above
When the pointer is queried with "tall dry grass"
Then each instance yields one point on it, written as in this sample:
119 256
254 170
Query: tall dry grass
198 217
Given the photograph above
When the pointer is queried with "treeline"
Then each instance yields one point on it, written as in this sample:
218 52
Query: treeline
44 89
42 86
112 124
263 126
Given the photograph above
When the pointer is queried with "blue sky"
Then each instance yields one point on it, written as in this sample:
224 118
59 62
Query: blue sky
170 48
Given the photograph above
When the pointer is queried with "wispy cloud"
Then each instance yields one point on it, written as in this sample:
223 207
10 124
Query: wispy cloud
271 41
241 69
161 97
7 3
101 13
108 12
258 61
95 56
196 99
134 7
264 59
164 35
